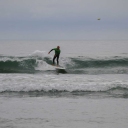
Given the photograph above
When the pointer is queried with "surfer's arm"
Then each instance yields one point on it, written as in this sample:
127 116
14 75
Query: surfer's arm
51 50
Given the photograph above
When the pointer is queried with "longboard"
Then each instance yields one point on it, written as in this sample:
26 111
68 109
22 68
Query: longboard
58 67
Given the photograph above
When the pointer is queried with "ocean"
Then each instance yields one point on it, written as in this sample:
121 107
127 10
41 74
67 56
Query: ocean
91 92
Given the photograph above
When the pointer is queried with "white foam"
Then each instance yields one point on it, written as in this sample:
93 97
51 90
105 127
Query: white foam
38 53
4 59
28 82
43 65
64 61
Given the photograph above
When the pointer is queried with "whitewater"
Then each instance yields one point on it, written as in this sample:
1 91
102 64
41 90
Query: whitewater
92 91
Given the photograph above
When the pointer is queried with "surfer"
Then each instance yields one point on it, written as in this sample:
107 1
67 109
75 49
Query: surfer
57 54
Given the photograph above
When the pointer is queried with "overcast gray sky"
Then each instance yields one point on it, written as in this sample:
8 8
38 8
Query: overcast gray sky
63 19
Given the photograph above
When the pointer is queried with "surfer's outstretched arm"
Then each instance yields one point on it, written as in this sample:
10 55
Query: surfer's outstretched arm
51 50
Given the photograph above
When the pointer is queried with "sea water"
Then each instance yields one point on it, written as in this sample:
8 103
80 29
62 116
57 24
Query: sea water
92 92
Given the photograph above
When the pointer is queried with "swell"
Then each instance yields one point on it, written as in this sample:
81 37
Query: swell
17 65
34 64
99 63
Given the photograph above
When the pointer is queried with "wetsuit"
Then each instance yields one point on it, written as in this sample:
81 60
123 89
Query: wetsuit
57 54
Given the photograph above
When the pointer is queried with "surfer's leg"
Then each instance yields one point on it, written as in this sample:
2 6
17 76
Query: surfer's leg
57 59
54 59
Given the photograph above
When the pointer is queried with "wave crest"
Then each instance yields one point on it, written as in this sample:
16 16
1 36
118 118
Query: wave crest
39 62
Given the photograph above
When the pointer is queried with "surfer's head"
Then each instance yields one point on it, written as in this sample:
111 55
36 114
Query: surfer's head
58 47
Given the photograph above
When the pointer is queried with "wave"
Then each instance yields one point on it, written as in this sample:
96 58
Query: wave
62 83
37 62
17 65
117 92
100 63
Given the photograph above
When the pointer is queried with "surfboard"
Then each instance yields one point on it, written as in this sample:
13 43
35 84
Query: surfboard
58 67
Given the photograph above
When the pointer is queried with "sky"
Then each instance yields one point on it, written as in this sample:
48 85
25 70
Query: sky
63 20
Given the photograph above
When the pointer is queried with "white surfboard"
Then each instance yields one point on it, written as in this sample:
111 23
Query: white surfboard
58 67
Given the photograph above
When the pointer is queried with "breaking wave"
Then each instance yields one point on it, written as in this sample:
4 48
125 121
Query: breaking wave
37 62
